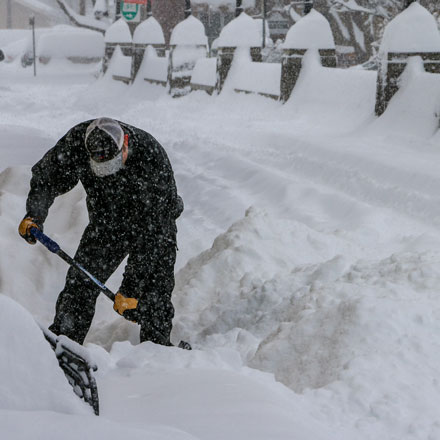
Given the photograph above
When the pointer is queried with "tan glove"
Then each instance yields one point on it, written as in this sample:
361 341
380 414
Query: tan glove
24 229
122 304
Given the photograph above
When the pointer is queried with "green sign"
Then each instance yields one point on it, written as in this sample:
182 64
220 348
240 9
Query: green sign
130 11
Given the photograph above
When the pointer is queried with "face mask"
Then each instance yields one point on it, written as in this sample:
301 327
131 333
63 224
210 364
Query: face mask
103 169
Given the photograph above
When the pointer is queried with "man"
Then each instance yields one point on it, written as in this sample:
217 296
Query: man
132 203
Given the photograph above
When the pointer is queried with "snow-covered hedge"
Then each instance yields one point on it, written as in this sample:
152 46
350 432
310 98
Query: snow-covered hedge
311 31
189 32
240 32
149 32
413 30
118 32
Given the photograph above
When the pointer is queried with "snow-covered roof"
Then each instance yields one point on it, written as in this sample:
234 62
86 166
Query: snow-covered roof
242 31
118 32
413 30
149 32
311 31
189 32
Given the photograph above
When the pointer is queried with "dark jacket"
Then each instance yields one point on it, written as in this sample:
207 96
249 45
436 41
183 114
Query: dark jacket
139 199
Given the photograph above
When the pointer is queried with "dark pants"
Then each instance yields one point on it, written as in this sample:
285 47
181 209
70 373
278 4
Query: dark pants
149 276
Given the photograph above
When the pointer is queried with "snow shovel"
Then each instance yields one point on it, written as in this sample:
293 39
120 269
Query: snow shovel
55 248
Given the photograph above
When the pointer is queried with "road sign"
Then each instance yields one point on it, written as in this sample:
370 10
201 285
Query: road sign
131 11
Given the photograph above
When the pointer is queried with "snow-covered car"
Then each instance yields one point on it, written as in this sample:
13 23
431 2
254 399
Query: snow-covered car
19 49
75 44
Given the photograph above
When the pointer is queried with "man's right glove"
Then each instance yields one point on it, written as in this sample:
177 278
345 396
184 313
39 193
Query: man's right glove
24 229
126 307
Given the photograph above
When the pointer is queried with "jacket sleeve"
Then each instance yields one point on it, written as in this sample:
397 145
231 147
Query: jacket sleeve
55 174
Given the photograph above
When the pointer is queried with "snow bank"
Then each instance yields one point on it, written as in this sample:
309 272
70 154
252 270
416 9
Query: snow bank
331 327
118 32
254 77
311 31
32 379
153 67
334 98
205 72
119 65
149 32
241 31
190 31
207 394
414 110
413 30
46 425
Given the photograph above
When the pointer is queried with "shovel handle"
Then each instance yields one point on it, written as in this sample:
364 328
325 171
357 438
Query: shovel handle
45 240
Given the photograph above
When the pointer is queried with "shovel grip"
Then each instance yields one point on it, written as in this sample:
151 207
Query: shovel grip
45 240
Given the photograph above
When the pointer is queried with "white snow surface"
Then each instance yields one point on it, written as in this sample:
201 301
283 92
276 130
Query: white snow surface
242 31
205 72
310 32
118 32
307 276
413 30
249 76
149 32
152 66
189 32
68 41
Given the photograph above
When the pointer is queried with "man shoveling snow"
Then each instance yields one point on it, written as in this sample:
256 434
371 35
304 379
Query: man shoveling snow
133 205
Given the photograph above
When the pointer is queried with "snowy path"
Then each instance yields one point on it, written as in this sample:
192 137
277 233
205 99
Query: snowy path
330 281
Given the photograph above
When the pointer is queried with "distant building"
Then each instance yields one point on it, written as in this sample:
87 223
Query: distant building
16 16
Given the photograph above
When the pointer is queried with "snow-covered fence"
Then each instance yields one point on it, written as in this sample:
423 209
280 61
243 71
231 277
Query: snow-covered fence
154 69
240 32
188 44
75 44
204 75
118 34
251 77
119 67
148 33
310 32
412 33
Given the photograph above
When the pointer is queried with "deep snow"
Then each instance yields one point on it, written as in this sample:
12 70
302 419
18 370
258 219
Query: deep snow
307 273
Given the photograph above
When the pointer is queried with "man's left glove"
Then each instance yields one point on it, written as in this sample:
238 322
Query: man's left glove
126 307
24 229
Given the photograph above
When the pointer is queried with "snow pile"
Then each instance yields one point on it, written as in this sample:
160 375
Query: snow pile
206 393
118 32
190 32
205 72
319 318
65 41
32 379
335 98
254 77
149 32
242 31
119 65
311 31
187 55
153 67
414 110
413 30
